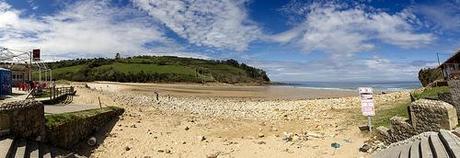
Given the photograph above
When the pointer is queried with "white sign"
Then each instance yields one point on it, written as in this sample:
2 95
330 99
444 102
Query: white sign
367 102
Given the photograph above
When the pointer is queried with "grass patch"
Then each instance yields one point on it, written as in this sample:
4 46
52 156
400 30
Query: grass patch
54 120
148 68
431 93
382 116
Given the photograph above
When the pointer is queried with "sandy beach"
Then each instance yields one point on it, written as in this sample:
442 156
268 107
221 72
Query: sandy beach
230 121
226 90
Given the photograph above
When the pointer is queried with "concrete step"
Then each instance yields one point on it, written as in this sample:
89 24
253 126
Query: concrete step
437 147
6 146
451 143
405 149
425 148
20 148
393 152
415 149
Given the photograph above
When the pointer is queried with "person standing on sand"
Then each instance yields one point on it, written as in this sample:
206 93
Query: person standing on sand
157 95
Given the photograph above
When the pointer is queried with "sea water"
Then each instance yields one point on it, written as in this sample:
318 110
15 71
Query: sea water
380 86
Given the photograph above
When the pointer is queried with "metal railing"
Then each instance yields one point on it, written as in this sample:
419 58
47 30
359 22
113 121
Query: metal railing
61 91
54 93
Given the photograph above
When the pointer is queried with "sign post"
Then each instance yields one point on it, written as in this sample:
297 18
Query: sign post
367 104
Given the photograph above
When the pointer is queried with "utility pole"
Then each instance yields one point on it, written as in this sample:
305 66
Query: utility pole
439 63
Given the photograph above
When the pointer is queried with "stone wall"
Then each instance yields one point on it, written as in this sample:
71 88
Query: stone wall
71 132
4 124
446 97
454 88
425 115
401 128
25 119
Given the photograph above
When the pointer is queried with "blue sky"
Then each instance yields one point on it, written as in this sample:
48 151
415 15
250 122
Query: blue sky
293 40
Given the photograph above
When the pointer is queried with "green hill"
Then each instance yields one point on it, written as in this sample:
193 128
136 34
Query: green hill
157 69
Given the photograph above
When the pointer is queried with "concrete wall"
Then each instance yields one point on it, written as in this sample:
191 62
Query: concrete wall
25 119
71 132
425 115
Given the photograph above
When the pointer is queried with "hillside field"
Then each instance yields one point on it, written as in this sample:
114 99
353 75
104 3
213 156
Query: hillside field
157 69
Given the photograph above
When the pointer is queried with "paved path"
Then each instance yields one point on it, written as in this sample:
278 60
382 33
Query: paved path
62 108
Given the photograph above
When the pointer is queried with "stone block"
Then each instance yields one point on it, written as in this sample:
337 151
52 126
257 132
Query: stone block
401 129
432 115
383 134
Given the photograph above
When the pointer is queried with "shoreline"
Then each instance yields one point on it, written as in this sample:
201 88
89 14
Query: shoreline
266 92
229 91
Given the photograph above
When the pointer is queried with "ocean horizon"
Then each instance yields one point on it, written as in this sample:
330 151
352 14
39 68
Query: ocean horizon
352 86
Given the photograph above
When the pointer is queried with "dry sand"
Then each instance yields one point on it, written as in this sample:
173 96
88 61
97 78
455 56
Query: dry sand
229 121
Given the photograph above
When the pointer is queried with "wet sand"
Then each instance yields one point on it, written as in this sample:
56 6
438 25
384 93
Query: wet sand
232 91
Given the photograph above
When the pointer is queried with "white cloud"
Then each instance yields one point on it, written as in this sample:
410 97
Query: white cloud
350 69
443 16
215 23
346 31
88 28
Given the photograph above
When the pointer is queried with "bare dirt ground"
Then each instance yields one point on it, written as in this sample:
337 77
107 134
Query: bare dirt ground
233 125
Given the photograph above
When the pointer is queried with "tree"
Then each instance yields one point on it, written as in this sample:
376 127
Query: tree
117 56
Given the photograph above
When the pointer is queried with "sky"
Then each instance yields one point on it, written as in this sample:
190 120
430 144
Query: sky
293 40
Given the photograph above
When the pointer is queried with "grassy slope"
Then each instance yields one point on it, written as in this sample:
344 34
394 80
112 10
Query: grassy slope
147 68
382 117
431 92
186 69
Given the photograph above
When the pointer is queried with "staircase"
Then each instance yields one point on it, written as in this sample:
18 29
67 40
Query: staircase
21 148
445 144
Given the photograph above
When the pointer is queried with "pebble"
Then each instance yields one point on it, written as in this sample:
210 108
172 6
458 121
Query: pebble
202 138
213 155
267 110
365 148
260 135
314 135
287 137
127 148
187 128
